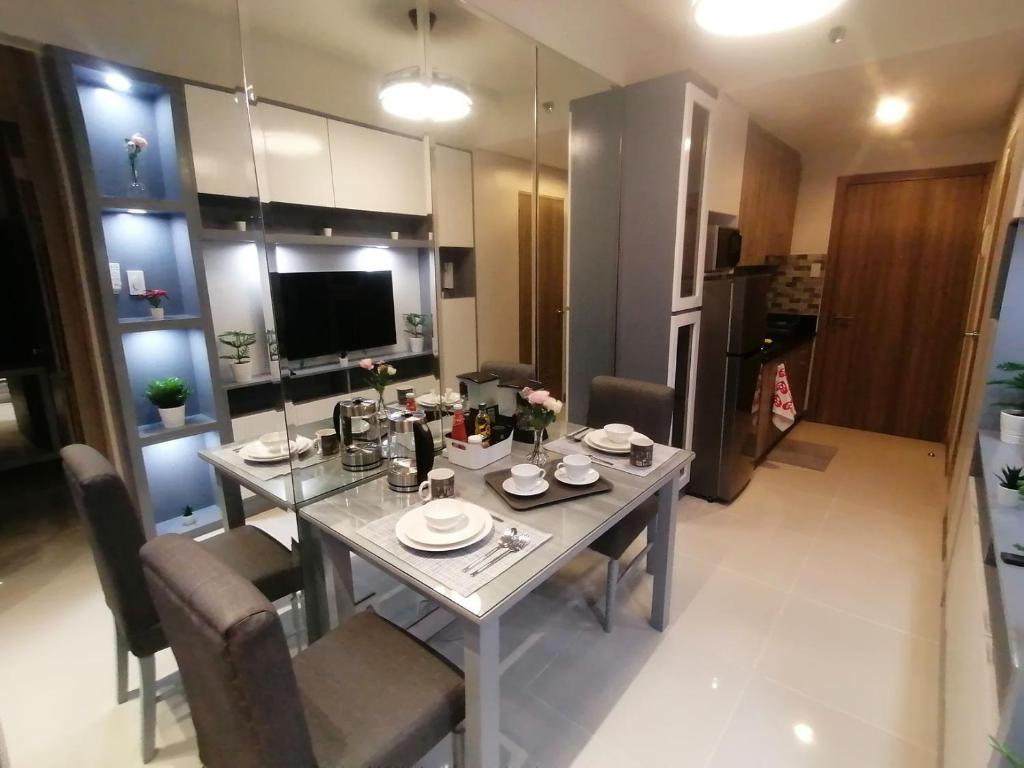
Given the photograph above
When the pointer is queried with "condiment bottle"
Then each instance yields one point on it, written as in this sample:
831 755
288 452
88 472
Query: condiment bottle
458 423
483 422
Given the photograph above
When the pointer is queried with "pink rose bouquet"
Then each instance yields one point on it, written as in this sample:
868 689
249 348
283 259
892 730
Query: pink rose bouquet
378 374
537 409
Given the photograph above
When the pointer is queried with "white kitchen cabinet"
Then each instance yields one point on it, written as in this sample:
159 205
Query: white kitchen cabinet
970 694
726 153
378 171
296 157
684 340
453 196
458 339
221 145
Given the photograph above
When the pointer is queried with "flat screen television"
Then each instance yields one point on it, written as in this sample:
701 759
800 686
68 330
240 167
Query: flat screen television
332 313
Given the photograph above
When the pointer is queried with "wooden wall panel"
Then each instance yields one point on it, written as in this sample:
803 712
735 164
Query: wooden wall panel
771 180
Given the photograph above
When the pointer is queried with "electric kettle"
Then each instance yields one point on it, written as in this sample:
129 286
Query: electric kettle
410 450
356 422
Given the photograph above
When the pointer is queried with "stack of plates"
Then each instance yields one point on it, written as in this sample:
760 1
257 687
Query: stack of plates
258 451
412 529
432 399
597 439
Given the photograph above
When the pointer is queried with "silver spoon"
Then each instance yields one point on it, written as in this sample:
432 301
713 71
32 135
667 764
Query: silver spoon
506 538
518 543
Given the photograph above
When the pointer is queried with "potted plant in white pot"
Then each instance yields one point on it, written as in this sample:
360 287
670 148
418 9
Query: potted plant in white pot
169 396
1009 491
1011 418
240 342
415 323
155 297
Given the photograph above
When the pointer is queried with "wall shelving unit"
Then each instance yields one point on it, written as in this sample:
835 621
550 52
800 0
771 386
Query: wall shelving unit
158 231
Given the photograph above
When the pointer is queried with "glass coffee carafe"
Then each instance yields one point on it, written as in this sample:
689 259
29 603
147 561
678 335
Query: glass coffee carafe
410 450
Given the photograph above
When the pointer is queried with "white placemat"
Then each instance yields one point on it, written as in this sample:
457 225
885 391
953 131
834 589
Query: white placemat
662 453
446 567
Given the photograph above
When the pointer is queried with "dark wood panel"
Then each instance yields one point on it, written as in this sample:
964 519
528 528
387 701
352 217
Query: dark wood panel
771 180
901 258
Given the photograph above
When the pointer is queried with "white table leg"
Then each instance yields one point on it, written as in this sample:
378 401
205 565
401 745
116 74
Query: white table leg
662 553
483 672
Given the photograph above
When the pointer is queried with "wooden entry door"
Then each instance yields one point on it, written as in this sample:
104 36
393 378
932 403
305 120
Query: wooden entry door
898 278
550 301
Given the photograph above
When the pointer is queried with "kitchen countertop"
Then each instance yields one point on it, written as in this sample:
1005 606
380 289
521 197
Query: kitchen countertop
788 332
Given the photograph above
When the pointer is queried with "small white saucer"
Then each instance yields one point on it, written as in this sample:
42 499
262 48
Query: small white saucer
562 476
509 486
599 440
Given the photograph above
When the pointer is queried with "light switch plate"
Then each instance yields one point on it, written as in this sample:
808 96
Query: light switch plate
816 270
136 281
115 276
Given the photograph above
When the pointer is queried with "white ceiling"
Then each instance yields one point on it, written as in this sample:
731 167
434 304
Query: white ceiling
959 59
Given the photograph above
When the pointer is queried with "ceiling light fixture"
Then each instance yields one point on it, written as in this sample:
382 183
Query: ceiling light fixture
136 211
744 18
117 81
891 110
804 733
405 95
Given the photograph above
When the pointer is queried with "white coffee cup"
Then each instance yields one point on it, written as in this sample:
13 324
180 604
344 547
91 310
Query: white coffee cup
618 434
527 476
576 466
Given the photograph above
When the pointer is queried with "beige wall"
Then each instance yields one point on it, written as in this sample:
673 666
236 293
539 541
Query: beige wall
497 182
821 168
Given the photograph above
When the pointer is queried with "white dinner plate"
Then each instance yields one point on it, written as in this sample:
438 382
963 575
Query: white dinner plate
255 451
414 525
484 533
510 487
598 440
592 476
433 400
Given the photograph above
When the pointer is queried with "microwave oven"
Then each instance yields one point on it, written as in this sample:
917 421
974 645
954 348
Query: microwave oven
725 245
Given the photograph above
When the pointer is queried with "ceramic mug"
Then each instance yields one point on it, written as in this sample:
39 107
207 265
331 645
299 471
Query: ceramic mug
440 484
641 450
527 476
327 442
576 466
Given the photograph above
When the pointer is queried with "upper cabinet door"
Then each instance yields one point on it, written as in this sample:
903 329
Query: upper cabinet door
453 194
296 155
221 149
378 171
692 221
726 156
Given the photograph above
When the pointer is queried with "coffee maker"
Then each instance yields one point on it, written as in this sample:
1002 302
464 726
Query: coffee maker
356 423
410 450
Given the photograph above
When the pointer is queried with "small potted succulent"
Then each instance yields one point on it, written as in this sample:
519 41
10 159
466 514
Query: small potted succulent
414 329
378 375
1010 481
155 297
537 409
169 396
239 342
1011 418
187 518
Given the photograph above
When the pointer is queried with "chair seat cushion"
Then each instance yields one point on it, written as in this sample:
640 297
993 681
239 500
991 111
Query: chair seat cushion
616 540
376 696
257 557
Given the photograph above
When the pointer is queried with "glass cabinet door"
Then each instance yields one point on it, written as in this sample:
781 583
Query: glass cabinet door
691 225
682 377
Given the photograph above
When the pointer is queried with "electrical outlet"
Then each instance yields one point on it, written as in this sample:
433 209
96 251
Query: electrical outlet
816 269
136 281
115 277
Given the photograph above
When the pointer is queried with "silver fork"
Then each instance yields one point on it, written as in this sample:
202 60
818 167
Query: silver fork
517 544
506 538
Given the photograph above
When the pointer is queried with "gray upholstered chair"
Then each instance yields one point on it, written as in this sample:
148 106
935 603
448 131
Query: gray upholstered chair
115 534
509 372
365 694
647 408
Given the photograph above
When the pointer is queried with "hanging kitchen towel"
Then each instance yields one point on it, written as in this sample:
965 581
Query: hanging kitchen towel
783 410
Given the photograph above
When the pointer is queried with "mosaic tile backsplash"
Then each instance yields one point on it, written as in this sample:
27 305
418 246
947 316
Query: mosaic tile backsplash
793 289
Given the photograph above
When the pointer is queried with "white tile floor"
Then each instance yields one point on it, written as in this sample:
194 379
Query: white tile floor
805 633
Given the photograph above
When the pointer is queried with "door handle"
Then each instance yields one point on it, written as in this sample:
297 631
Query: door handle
972 334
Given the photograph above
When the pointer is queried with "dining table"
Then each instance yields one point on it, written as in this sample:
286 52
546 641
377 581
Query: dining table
351 521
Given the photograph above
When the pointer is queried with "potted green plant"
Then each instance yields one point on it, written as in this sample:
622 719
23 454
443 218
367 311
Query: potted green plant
169 396
155 297
239 342
415 322
187 518
1011 418
1010 481
1011 757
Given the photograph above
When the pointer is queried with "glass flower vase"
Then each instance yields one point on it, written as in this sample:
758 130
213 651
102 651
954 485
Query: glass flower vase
538 456
135 186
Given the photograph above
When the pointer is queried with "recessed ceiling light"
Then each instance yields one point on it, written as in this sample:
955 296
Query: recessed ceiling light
743 18
136 211
804 733
117 81
404 94
891 110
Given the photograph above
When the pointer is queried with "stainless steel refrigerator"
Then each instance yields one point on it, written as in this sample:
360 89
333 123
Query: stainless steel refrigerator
733 324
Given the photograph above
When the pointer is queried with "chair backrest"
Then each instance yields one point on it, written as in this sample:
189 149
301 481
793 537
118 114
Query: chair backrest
644 406
115 535
509 372
233 659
